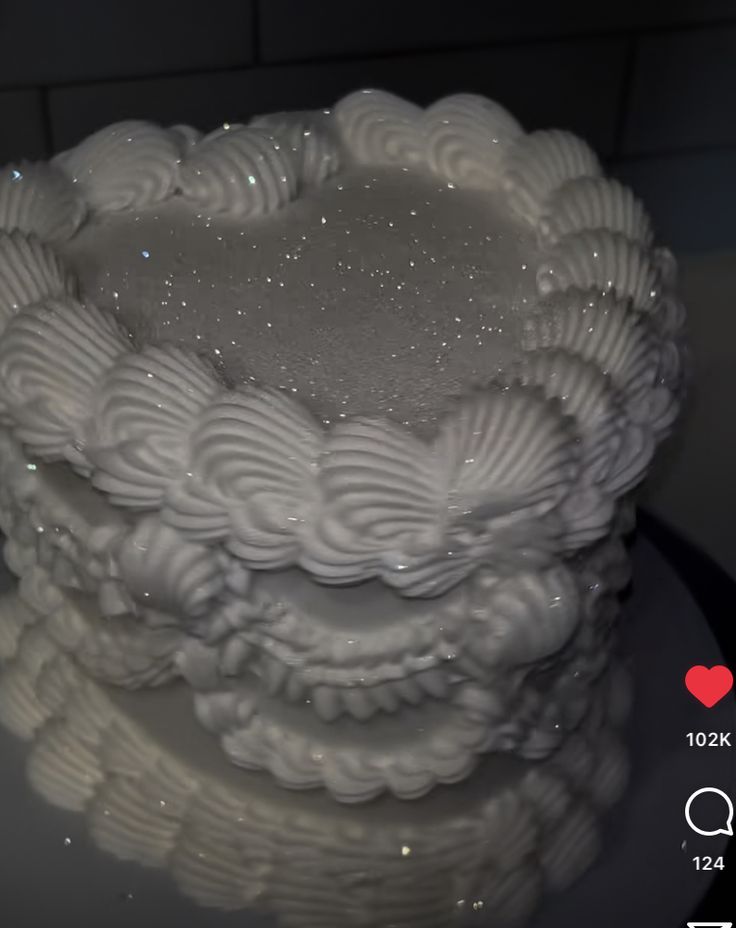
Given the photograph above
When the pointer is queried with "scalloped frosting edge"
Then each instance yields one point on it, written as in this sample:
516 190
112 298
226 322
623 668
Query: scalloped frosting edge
303 512
73 573
89 756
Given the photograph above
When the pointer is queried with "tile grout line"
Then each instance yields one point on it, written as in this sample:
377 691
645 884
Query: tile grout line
48 132
626 95
359 57
641 157
255 25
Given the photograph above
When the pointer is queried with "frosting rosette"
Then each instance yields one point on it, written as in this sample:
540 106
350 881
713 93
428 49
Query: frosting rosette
539 164
594 203
52 356
393 505
29 272
604 261
466 138
164 572
39 199
308 142
240 172
143 414
128 165
379 128
250 476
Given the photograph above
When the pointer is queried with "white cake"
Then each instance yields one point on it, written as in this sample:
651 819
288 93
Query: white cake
329 425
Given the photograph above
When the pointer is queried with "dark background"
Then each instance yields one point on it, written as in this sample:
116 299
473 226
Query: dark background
651 85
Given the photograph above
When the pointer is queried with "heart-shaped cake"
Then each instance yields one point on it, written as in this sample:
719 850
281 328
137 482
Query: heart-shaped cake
333 420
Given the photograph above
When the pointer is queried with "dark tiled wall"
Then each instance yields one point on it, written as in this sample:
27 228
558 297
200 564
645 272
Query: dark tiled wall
649 84
582 87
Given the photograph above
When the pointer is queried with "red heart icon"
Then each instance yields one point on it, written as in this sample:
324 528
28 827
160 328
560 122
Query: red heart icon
709 684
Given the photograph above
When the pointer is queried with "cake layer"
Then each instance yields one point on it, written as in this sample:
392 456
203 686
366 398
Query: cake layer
357 689
153 791
381 291
522 469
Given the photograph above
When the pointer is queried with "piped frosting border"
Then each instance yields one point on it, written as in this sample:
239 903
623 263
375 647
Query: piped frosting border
519 474
230 847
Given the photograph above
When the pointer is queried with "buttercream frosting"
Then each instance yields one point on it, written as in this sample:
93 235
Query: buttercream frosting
129 164
242 172
234 844
38 199
443 421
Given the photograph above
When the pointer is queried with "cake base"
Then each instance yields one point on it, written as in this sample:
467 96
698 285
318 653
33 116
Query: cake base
622 888
153 790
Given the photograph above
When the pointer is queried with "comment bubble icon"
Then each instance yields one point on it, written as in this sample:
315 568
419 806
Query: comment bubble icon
726 828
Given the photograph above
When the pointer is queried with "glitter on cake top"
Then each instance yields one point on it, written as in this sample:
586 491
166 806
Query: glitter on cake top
383 291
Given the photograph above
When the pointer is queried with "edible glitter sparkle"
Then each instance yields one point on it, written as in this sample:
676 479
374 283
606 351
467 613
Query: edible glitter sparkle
382 291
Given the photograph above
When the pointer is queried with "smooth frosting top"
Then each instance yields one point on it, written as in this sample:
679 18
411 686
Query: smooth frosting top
383 291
